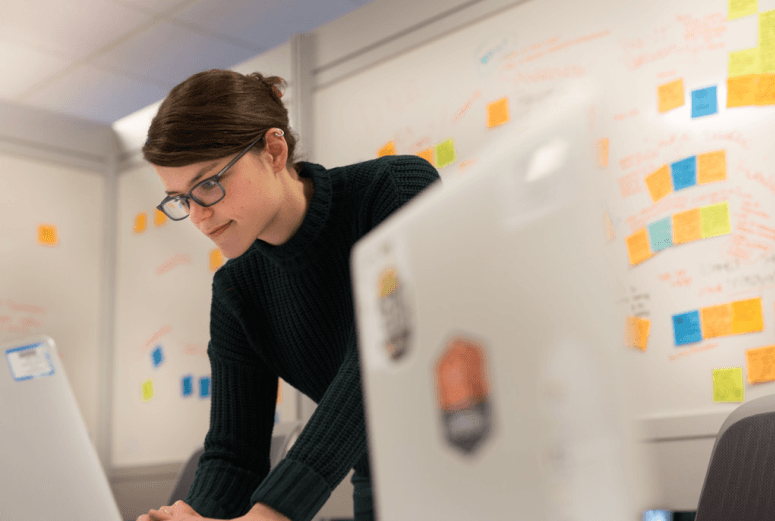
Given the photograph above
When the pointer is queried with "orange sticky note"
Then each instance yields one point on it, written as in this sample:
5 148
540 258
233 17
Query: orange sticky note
659 183
427 154
761 364
498 113
687 226
638 246
741 91
711 167
279 391
636 334
602 152
140 222
216 259
671 95
765 90
716 321
747 316
387 150
159 217
47 235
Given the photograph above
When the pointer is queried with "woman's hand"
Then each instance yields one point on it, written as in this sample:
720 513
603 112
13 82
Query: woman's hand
180 511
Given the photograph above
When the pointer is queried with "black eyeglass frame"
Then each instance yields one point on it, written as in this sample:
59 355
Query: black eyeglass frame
215 178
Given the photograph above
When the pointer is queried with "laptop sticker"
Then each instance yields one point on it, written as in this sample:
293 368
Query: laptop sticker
28 362
463 392
392 309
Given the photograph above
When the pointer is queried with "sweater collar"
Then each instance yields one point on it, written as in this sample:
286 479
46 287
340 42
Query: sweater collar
304 247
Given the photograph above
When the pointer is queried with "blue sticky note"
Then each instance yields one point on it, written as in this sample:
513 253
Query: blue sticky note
204 387
684 173
158 356
658 515
188 386
661 234
704 102
686 328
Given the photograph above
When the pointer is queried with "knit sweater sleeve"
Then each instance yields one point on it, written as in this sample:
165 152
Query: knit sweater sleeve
242 408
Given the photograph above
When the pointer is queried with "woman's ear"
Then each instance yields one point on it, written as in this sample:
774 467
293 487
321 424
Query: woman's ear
277 148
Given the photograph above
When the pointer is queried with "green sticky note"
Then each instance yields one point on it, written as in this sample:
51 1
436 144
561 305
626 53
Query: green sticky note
728 385
445 153
715 220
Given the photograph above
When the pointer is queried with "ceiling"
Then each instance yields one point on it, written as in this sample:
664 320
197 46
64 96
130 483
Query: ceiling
102 60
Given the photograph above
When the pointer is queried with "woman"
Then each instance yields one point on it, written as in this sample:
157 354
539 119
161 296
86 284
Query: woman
282 305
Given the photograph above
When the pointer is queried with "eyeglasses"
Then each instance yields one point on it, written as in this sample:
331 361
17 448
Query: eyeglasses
206 193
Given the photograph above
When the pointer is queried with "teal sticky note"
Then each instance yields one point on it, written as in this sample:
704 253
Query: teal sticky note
661 234
704 102
684 173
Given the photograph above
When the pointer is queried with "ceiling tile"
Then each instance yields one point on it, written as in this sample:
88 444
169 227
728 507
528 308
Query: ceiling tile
25 69
170 54
67 29
265 24
95 94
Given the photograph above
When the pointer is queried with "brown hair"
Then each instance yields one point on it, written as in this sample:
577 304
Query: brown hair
214 114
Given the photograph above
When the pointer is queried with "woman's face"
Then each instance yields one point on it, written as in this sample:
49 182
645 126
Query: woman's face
260 202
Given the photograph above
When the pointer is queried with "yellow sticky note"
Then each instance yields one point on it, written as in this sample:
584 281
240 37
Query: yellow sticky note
659 183
140 223
636 334
715 220
609 227
216 259
740 8
741 91
48 235
745 62
671 95
765 90
747 316
445 153
761 364
638 246
766 28
711 167
498 113
427 154
687 226
728 385
602 152
147 391
716 321
387 150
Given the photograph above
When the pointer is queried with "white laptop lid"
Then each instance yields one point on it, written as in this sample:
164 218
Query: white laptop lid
49 468
488 344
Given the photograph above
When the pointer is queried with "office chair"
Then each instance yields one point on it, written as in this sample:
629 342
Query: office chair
283 437
740 482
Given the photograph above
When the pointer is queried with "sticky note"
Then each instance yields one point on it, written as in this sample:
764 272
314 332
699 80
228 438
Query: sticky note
636 333
498 113
687 226
602 152
659 183
704 102
671 95
387 150
716 320
47 235
711 167
147 391
204 387
765 90
715 220
761 364
638 246
140 223
745 62
686 328
426 154
187 385
159 217
661 234
445 153
157 356
609 227
741 91
766 28
740 8
728 385
684 173
216 259
747 316
279 391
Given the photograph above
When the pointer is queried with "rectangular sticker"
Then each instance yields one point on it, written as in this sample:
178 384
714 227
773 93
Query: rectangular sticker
29 362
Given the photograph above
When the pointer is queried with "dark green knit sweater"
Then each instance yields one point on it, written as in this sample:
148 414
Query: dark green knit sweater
288 311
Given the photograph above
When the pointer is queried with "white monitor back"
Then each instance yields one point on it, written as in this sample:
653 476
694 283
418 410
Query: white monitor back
488 342
49 468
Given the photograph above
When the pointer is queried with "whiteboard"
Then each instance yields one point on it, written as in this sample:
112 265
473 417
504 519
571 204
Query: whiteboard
421 99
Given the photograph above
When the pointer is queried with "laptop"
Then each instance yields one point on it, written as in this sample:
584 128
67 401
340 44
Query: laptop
487 340
49 468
